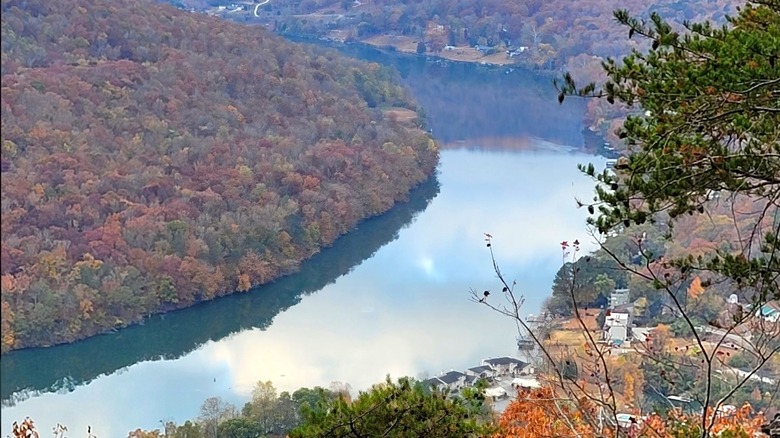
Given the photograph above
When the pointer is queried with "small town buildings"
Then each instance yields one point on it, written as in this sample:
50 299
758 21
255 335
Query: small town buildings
434 383
491 369
451 381
454 380
481 372
504 366
516 52
619 297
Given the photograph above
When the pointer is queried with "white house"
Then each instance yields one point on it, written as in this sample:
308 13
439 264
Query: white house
503 366
481 372
616 327
451 381
619 297
435 383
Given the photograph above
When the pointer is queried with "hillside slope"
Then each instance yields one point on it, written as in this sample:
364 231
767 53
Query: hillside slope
153 159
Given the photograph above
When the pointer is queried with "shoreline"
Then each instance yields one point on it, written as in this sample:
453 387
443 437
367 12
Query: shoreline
428 56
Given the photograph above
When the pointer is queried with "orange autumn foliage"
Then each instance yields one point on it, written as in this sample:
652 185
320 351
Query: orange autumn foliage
541 413
737 423
696 288
244 284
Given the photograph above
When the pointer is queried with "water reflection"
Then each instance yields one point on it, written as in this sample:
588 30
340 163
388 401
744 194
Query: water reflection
404 310
469 102
173 335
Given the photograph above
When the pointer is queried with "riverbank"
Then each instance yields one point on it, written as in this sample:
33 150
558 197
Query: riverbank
407 44
386 298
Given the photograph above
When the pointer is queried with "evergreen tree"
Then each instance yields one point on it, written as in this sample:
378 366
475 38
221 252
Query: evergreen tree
710 127
704 128
401 409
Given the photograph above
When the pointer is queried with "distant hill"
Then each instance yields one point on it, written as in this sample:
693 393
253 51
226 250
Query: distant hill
548 35
154 158
553 32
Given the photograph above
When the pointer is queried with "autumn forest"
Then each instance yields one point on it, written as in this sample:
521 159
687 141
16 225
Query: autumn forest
158 154
153 159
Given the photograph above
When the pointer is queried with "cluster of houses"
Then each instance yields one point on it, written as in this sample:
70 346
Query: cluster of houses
619 328
493 370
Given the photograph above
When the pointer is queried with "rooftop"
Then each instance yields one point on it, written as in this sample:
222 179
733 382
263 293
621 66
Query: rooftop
504 361
433 381
770 308
451 377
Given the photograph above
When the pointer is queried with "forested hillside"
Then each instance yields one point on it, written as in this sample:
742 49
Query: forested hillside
153 158
731 226
555 32
550 35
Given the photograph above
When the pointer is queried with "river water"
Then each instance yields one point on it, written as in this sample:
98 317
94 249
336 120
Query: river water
392 297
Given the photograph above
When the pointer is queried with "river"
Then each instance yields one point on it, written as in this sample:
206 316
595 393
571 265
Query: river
392 297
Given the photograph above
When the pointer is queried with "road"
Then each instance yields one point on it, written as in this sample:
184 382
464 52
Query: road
265 2
731 339
736 372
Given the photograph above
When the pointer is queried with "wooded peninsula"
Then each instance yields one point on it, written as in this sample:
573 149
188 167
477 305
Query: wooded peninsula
153 159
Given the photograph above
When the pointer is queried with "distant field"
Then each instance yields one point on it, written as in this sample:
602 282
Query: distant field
462 53
401 43
401 115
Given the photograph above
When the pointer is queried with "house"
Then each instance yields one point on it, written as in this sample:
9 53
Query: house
451 381
616 327
769 311
618 297
524 343
435 384
481 372
516 52
503 366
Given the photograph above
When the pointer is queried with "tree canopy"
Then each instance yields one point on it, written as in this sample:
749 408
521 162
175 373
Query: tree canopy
396 409
709 131
704 154
153 158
